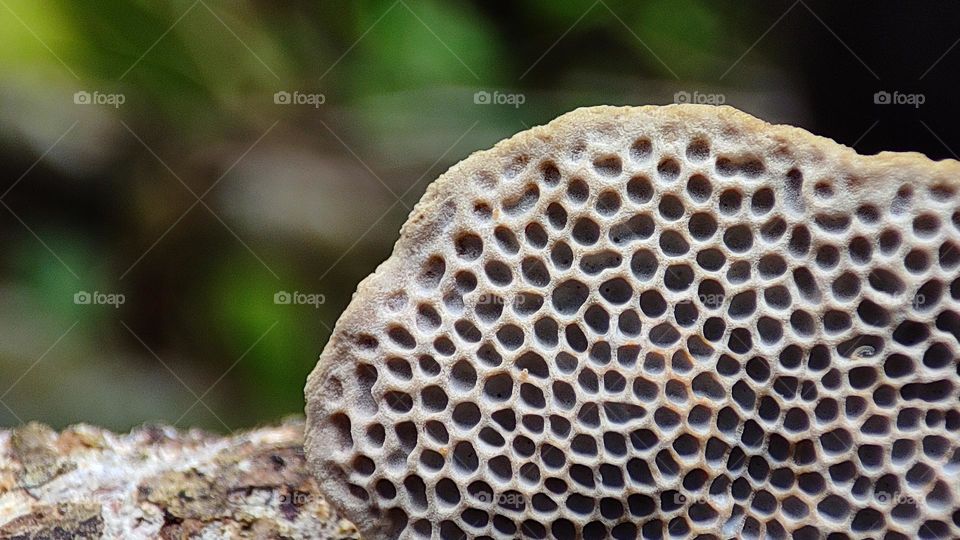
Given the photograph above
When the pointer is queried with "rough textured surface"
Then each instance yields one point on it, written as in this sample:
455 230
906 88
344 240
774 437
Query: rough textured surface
677 321
157 482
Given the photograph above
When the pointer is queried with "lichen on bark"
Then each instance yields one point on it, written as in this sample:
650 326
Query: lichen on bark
158 482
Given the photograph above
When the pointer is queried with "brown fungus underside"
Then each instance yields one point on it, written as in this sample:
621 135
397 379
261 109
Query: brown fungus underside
661 322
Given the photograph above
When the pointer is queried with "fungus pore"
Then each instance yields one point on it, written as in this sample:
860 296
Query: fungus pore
655 322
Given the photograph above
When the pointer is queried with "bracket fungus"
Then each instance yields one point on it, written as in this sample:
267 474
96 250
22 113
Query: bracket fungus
672 321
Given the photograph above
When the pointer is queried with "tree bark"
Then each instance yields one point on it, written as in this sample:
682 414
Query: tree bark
158 482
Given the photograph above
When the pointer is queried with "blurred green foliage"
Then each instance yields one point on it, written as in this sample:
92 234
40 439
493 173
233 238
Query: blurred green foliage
301 198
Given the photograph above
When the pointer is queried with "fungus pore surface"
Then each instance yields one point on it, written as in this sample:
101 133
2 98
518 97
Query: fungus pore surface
674 322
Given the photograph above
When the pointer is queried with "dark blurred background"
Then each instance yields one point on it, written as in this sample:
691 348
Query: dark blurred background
191 190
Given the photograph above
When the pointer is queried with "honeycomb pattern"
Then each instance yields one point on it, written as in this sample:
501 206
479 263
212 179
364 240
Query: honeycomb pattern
659 338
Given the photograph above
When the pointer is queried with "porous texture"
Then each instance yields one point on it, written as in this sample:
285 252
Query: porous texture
658 321
157 482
